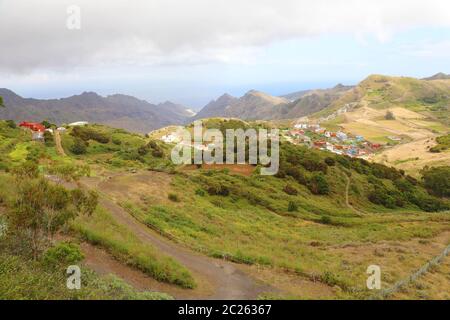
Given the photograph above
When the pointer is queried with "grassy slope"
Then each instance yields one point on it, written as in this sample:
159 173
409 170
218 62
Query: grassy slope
101 229
253 225
381 92
31 280
17 147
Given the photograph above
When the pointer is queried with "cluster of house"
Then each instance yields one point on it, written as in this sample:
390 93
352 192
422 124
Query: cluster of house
38 129
314 136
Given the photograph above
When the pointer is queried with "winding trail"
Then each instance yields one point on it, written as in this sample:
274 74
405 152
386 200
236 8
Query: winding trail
217 279
225 280
347 202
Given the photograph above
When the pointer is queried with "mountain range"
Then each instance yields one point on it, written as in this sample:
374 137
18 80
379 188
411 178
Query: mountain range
117 110
130 113
256 105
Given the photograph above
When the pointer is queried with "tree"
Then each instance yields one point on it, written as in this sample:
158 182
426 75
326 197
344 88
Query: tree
319 184
79 146
42 209
389 115
39 211
1 102
47 124
437 180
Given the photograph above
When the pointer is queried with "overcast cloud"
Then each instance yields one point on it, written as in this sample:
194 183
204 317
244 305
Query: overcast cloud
34 37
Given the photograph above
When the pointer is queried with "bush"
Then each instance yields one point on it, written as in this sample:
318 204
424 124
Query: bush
216 189
330 161
290 190
48 138
292 206
325 220
437 180
64 253
11 124
174 197
86 134
382 197
389 115
78 147
200 192
318 184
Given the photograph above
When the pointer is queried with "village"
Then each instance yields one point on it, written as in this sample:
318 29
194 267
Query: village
38 129
314 136
310 135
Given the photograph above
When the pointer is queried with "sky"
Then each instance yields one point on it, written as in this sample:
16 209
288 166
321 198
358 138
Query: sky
192 51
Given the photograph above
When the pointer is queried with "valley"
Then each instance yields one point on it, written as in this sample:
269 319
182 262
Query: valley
351 192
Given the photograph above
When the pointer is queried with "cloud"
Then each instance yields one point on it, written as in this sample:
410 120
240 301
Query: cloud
34 36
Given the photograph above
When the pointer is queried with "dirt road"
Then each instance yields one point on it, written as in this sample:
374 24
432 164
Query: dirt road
59 147
217 279
226 280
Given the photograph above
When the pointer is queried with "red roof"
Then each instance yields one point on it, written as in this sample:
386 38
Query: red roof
33 126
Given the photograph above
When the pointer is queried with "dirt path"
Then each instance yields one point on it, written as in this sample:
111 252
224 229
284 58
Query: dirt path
216 279
59 147
227 280
347 202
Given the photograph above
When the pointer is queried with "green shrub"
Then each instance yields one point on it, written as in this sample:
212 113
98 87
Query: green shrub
292 206
290 190
86 134
318 184
64 253
325 220
437 180
11 124
382 197
78 147
200 192
174 197
330 161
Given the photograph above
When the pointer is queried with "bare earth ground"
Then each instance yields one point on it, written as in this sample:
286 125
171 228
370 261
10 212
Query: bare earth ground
413 155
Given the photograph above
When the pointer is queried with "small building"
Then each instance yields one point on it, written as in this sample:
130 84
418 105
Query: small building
78 124
37 130
320 144
301 126
341 136
376 145
37 135
169 138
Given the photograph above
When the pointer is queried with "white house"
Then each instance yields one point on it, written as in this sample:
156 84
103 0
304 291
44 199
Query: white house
341 135
169 138
301 126
78 124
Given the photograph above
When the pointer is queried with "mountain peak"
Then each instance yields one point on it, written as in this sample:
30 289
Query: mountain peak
438 76
4 92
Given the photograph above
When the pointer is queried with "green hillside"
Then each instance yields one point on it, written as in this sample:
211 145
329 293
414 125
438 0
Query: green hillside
296 223
431 98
